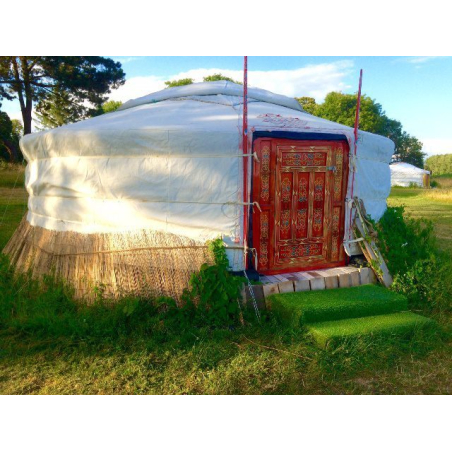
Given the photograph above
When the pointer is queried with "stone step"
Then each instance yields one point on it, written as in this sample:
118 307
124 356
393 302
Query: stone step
331 278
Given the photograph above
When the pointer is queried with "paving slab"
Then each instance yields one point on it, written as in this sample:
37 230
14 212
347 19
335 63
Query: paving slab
270 289
344 280
331 282
302 285
286 286
317 283
354 278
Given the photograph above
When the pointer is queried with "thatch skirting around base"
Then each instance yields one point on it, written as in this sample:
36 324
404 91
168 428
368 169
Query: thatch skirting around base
141 263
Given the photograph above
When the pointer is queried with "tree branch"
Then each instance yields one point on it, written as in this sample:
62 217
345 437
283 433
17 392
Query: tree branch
41 85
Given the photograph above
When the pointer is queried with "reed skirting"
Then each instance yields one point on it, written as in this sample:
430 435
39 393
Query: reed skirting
141 263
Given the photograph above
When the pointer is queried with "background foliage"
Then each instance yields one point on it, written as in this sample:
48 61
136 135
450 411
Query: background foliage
64 88
10 133
341 108
440 165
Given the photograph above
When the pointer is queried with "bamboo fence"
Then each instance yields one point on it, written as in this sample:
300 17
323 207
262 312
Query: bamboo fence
141 263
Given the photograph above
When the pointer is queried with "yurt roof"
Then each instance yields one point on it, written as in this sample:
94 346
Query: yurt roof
407 169
223 88
179 114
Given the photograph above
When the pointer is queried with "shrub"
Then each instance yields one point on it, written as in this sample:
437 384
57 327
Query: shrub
404 241
214 294
420 270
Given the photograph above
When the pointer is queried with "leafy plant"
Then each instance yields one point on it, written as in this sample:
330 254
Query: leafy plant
180 82
420 270
214 293
404 241
427 282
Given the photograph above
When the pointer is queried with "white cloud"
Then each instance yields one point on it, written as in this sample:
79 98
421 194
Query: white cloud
418 60
434 146
313 80
138 86
128 59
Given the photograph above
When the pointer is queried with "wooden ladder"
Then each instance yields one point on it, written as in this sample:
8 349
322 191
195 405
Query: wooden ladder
364 230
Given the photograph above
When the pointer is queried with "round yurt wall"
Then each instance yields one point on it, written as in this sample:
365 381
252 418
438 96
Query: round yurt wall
130 198
404 174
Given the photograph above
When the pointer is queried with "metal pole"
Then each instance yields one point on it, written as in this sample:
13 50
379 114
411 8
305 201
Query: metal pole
245 160
355 147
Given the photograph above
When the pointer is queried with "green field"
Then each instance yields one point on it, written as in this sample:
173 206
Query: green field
47 350
13 202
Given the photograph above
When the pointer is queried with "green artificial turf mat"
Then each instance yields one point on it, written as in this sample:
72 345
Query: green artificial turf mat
399 324
336 304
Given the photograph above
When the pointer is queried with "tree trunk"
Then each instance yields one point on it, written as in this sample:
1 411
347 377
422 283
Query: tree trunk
26 117
23 86
11 148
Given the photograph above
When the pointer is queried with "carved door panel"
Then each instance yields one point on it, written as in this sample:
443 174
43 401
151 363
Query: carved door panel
300 187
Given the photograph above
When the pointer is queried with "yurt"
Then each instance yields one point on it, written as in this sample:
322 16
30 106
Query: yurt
404 174
128 201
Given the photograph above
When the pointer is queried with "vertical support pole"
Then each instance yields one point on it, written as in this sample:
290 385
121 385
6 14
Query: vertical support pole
355 147
245 161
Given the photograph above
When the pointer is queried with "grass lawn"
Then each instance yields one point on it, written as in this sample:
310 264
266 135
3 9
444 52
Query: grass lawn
79 353
13 202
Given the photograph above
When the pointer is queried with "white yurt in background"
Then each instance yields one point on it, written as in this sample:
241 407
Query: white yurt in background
128 200
404 174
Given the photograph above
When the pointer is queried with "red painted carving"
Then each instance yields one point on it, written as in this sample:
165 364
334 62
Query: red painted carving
286 189
335 239
303 159
297 251
302 222
301 225
285 219
263 252
285 224
265 174
318 205
338 174
302 206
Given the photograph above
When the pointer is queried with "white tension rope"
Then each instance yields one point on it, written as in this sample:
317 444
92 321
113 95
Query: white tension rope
99 175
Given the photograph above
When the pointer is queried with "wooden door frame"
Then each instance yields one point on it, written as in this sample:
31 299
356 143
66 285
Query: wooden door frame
264 185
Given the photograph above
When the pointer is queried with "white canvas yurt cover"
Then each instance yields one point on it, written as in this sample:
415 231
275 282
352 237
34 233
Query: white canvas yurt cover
171 162
404 174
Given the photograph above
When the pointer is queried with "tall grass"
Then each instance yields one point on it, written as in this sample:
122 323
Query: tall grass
442 195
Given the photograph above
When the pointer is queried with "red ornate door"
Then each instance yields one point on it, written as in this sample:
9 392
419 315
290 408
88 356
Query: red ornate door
300 187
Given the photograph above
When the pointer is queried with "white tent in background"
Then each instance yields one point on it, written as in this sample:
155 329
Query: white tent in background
128 199
404 174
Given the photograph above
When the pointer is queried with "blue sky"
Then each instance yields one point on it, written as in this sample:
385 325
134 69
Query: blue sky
414 90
